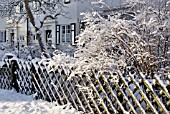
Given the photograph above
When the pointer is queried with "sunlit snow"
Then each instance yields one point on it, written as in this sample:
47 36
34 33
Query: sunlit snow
16 103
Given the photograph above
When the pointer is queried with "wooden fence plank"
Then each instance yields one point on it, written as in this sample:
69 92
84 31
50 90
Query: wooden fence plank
92 92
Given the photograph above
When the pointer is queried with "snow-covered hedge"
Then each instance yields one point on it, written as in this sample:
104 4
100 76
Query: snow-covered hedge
119 43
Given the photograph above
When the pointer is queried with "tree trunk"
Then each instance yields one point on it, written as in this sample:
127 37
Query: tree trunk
42 44
37 30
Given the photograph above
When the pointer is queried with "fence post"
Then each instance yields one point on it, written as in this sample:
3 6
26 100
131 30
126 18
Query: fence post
14 68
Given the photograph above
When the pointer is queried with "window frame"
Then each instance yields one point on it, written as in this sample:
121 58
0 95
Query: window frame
66 33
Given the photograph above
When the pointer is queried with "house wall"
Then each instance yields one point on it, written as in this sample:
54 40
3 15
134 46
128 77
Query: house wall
19 32
2 30
88 6
72 17
22 32
69 18
2 24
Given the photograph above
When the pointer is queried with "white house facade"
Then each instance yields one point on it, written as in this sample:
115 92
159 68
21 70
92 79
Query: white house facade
59 31
3 30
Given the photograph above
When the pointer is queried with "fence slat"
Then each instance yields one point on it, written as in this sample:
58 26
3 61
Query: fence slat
92 92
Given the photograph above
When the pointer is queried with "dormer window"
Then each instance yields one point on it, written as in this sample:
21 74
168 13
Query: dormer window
67 1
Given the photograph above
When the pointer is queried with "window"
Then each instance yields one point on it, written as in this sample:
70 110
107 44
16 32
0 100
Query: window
66 33
34 37
1 36
21 7
22 38
66 1
12 36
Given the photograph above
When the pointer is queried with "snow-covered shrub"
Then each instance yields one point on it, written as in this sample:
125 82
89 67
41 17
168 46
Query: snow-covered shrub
119 44
23 52
98 45
106 45
152 23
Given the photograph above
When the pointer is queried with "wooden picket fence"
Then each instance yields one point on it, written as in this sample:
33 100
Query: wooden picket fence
92 92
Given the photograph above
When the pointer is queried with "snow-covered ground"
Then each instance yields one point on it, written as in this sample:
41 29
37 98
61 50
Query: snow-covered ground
12 102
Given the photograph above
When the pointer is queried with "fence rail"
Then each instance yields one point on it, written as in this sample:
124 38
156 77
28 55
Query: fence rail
93 92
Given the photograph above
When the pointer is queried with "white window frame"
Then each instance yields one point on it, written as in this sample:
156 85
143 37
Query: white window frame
66 37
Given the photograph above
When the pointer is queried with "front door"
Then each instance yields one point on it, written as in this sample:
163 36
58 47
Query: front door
12 38
48 37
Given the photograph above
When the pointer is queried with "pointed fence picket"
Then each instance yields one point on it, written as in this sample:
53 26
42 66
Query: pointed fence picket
91 92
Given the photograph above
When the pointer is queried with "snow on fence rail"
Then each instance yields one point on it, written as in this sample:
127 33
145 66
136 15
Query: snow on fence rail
93 92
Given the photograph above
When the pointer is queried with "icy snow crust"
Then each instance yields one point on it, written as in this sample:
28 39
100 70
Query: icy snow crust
12 102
